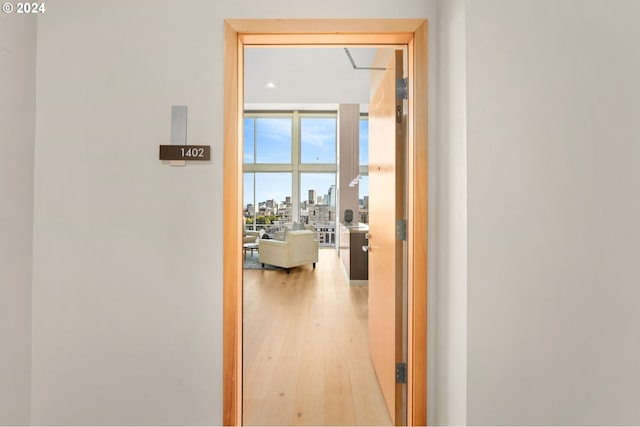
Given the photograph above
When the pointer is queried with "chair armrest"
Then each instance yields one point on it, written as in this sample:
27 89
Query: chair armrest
274 252
271 244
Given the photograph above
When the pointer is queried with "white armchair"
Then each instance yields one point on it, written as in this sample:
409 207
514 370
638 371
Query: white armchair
249 236
298 248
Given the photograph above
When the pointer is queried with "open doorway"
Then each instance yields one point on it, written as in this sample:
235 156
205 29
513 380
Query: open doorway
409 32
306 358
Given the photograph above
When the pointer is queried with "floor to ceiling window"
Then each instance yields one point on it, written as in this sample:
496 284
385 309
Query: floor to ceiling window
290 170
363 185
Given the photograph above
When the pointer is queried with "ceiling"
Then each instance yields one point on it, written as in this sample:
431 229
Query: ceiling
307 75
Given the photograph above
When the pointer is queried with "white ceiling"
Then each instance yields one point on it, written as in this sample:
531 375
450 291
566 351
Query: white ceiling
307 75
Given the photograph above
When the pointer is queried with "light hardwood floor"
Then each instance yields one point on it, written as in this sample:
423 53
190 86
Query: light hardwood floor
306 358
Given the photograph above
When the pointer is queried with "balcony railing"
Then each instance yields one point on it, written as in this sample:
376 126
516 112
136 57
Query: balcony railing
325 233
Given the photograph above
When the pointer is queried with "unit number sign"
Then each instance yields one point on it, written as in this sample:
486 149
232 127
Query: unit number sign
185 152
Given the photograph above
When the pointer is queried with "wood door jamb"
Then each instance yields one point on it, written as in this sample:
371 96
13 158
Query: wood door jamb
237 34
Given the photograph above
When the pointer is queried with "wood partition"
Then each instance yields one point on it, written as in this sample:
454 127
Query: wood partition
323 32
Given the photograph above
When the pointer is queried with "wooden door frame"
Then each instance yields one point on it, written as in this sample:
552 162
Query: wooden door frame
308 32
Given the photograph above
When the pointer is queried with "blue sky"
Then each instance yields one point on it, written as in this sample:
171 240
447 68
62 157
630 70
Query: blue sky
318 140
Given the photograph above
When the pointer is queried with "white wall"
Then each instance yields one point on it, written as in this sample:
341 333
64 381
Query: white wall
127 277
553 209
17 139
127 288
448 295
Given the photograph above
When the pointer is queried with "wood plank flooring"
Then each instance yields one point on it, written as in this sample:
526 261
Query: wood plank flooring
306 358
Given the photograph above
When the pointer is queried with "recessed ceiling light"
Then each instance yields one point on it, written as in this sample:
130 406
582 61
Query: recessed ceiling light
270 85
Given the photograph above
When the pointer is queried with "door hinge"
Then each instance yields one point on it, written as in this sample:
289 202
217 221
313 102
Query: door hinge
401 229
398 114
401 88
401 373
